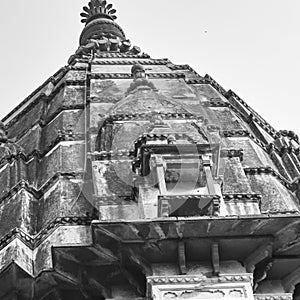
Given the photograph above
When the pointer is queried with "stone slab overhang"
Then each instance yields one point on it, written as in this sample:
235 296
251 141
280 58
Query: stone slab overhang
284 230
67 252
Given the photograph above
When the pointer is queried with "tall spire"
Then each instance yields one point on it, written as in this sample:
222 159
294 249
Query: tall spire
99 19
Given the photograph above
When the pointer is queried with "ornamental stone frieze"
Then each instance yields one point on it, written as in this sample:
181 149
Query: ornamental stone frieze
200 287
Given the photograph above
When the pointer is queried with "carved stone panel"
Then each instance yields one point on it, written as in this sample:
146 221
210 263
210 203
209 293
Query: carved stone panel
200 287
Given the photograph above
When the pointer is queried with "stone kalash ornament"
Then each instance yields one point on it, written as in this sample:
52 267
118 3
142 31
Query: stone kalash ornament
101 33
140 80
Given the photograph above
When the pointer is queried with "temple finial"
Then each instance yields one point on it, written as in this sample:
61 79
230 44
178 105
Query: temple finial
97 9
99 18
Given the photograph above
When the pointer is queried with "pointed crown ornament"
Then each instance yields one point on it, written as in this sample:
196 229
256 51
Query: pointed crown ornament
99 18
97 9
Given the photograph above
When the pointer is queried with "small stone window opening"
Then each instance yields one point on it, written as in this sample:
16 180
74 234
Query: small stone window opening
183 174
186 187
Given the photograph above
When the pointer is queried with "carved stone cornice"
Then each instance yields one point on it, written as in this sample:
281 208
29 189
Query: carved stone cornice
215 85
242 196
196 279
37 193
235 133
33 241
256 117
129 76
216 102
197 81
120 55
273 297
143 139
290 134
36 154
112 155
183 68
132 62
268 171
149 117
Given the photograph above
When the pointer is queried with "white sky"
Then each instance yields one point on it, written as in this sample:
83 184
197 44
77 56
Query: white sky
249 46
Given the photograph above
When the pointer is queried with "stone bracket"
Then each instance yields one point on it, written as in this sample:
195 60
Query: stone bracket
182 258
215 259
291 280
258 255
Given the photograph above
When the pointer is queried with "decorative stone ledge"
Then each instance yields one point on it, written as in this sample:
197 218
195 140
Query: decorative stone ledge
215 85
186 286
197 81
149 117
257 118
132 62
268 171
33 241
247 197
223 278
129 76
273 297
121 55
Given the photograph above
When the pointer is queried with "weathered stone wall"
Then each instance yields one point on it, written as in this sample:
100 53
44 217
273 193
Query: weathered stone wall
82 143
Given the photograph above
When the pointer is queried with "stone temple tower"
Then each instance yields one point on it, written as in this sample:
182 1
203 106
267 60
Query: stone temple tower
127 177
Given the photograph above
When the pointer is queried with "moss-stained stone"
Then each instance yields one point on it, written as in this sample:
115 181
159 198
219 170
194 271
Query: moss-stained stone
93 139
254 156
43 257
67 157
194 130
119 212
67 122
75 200
271 287
113 178
290 165
26 121
30 141
127 69
5 182
127 133
75 75
148 197
98 113
64 199
49 205
108 91
18 252
148 101
71 117
22 207
224 118
175 88
67 97
206 91
275 197
234 178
